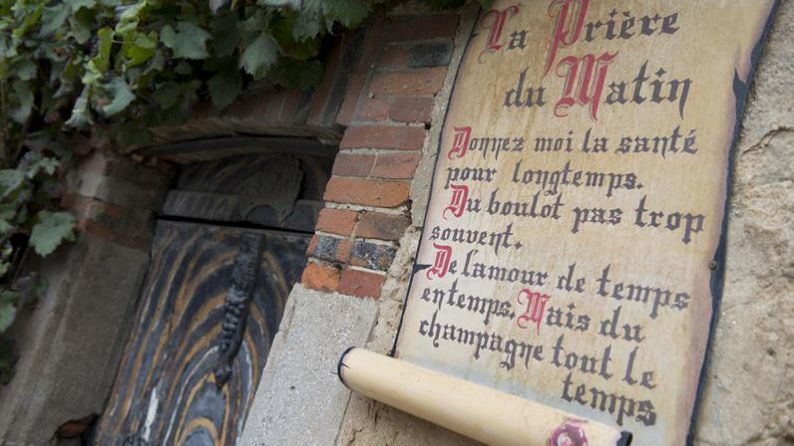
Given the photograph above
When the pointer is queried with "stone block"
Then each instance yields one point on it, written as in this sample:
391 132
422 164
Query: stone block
300 400
70 344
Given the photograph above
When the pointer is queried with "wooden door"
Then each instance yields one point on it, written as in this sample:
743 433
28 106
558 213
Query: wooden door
212 301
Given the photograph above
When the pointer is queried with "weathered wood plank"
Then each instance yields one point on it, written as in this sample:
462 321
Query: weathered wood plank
166 391
279 191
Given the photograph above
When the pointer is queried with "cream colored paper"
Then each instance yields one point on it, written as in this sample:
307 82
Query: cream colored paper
487 415
607 318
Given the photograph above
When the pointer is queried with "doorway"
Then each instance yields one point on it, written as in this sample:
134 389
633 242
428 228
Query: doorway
228 247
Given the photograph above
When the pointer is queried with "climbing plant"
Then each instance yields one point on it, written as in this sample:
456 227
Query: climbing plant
75 72
81 73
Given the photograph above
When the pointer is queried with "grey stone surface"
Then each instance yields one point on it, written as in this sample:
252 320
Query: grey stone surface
70 344
749 394
300 400
113 190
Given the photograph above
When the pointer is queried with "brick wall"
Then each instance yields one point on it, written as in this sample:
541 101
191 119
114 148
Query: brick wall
115 198
386 114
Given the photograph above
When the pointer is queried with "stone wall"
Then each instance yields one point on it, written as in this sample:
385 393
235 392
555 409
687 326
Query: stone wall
749 395
69 342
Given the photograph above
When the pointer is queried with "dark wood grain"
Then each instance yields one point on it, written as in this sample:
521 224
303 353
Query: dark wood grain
166 391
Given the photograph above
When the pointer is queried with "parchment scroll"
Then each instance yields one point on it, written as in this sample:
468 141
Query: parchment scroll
572 252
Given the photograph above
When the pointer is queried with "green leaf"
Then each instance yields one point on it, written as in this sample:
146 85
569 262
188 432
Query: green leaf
24 100
102 59
157 63
131 133
224 87
77 4
166 95
283 32
215 5
292 4
34 162
251 27
51 230
307 25
141 49
298 75
53 19
7 213
129 18
349 13
25 69
119 94
189 41
183 68
81 112
80 22
10 180
226 35
259 56
8 310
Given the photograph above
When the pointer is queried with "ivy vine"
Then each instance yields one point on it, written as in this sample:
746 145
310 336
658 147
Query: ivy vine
82 73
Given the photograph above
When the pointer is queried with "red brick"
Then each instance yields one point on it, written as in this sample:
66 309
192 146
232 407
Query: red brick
422 81
352 165
95 163
423 28
321 95
382 226
275 103
320 277
399 167
373 110
394 56
290 106
337 221
78 204
411 109
361 284
343 250
383 137
358 80
378 193
86 208
354 90
312 245
255 103
130 228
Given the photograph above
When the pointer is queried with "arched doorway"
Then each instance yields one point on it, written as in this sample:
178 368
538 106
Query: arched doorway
228 247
